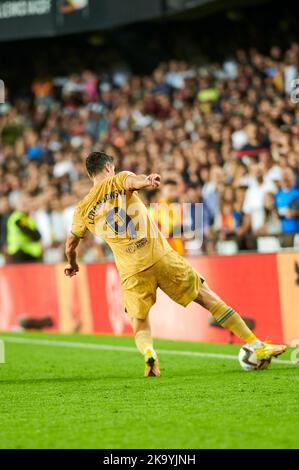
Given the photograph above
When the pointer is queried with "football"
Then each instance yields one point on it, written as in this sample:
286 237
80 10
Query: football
249 361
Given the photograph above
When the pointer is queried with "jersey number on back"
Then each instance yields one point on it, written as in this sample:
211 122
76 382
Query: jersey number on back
120 222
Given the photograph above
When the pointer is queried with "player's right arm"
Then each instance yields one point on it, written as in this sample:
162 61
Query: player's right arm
135 182
77 233
71 245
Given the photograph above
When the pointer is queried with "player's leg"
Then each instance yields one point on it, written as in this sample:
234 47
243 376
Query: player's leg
142 332
223 314
228 318
183 284
178 279
144 343
139 296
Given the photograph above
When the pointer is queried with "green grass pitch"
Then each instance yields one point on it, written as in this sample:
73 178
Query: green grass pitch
55 396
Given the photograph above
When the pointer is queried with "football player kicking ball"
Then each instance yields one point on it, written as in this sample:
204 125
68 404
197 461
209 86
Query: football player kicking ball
145 260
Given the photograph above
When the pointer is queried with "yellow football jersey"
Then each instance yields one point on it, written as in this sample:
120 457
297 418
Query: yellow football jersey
118 216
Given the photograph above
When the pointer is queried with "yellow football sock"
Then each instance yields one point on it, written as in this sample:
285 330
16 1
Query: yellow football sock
143 340
228 318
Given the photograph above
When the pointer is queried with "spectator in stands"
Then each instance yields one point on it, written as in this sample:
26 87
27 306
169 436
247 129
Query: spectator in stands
193 197
23 238
212 189
272 223
5 211
228 218
287 202
254 197
206 128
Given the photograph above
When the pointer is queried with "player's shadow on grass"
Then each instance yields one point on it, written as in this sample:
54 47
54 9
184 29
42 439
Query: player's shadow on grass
63 380
195 372
278 368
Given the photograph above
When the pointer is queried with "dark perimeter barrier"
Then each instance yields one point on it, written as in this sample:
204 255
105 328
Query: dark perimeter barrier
41 18
21 19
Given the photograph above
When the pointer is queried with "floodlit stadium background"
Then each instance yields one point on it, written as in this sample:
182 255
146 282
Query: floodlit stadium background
204 94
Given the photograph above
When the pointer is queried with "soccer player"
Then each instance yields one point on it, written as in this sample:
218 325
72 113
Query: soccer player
145 260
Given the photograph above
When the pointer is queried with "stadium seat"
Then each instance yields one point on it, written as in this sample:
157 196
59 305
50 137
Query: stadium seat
193 247
296 240
227 247
268 244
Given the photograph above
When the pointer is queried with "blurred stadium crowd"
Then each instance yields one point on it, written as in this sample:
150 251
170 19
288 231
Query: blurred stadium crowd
224 134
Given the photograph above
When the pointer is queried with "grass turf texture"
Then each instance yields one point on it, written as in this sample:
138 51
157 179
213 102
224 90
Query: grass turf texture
60 397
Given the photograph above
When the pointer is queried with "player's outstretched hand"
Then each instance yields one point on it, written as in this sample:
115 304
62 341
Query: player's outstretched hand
154 180
71 270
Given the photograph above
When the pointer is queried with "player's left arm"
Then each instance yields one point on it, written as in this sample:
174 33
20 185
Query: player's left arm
135 182
71 246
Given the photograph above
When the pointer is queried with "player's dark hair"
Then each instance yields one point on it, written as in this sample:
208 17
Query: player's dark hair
96 161
170 182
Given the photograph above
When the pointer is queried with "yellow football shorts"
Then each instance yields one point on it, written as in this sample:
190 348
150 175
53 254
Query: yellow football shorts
172 273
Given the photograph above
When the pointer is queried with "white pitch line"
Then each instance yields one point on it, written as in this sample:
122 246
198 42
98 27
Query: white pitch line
109 347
